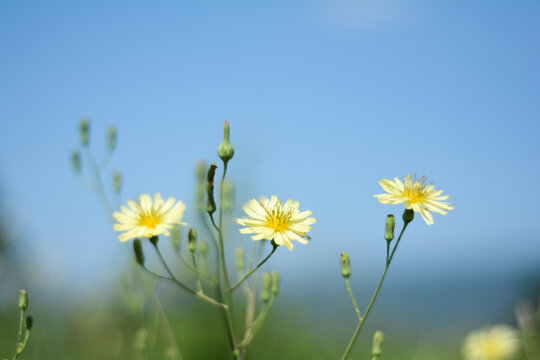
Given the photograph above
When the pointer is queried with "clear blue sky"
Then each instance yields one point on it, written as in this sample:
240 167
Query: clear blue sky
324 99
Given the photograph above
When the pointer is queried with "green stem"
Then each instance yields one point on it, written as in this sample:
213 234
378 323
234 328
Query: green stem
370 305
253 270
172 278
352 299
18 349
219 229
253 254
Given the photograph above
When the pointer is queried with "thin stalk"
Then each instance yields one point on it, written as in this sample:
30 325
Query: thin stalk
21 323
352 299
274 248
373 298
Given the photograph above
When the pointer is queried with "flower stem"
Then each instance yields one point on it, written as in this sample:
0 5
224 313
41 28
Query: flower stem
370 305
347 282
253 270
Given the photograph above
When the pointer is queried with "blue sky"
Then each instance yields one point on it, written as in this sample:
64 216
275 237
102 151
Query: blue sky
324 99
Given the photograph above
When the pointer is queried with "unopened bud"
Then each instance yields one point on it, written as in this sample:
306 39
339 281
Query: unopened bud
154 240
408 216
265 287
203 248
23 299
117 182
389 228
226 150
378 338
192 239
228 196
137 249
345 265
140 341
112 135
76 161
240 262
29 322
175 238
275 283
84 132
210 202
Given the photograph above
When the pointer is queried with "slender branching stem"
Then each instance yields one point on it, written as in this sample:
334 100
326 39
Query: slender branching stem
253 255
19 347
274 248
373 298
348 283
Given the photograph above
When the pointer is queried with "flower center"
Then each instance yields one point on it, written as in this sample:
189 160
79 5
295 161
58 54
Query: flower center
415 189
149 220
278 219
492 349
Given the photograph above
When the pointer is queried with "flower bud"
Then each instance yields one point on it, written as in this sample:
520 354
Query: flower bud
240 262
23 299
203 248
176 238
139 255
408 216
154 240
228 196
345 265
84 132
140 341
192 239
265 289
117 182
275 283
378 338
225 150
389 228
112 138
76 161
29 322
210 202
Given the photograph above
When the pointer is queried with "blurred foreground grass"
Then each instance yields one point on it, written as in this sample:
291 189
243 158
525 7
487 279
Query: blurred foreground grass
94 332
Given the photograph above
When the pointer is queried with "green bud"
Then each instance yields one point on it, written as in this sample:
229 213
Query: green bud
76 161
192 239
275 283
345 265
408 216
210 202
378 338
117 182
112 138
203 248
225 150
240 262
139 255
228 196
176 238
154 240
23 299
389 228
201 169
29 322
84 132
265 289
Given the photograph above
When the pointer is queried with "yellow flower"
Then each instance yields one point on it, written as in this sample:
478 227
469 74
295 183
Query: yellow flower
274 220
147 218
416 194
499 342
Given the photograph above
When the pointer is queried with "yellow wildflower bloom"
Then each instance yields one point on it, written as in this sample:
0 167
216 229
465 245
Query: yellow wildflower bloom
499 342
416 195
274 220
148 218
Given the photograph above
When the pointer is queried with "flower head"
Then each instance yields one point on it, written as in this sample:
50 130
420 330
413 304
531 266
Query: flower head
274 220
148 218
416 194
499 342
